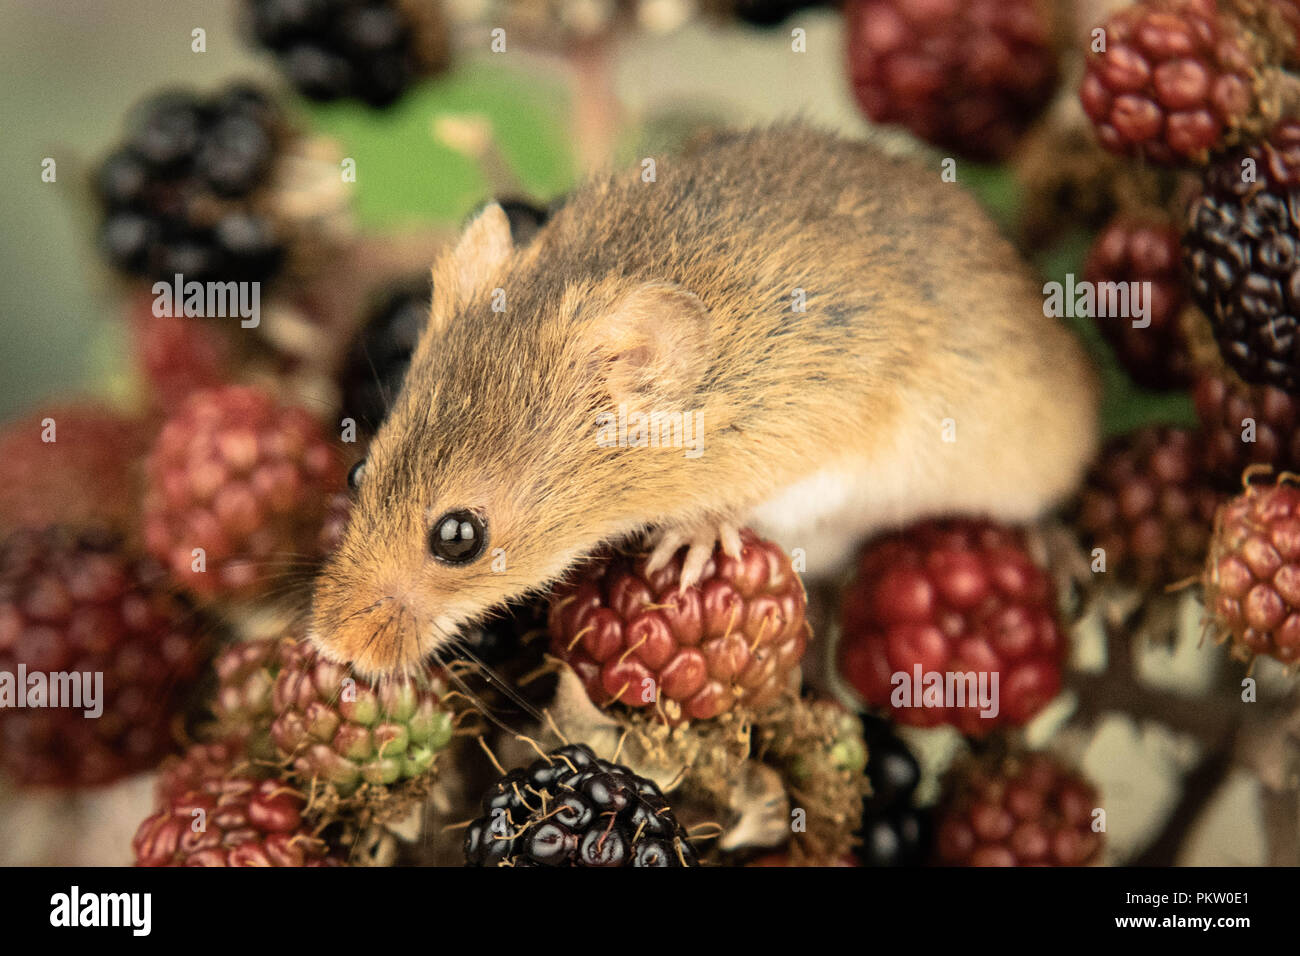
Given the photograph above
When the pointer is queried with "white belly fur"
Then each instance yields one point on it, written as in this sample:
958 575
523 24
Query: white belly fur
832 512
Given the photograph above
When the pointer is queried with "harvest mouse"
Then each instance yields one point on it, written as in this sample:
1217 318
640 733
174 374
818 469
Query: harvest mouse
853 342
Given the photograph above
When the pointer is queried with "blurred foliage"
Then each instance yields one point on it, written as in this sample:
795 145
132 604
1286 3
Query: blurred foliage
406 176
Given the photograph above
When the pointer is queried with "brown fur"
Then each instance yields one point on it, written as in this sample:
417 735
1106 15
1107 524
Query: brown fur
676 295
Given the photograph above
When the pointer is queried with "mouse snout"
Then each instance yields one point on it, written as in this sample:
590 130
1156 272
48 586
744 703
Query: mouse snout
379 631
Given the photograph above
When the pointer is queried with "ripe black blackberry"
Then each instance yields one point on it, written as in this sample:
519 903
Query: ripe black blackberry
525 218
1242 243
177 193
373 50
571 808
895 832
500 639
381 353
770 13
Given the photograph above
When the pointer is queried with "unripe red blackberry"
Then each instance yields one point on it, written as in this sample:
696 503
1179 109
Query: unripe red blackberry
1243 425
177 355
1174 82
1252 573
970 75
72 464
1022 810
1149 506
954 597
1243 257
75 603
338 731
1137 250
244 479
233 820
735 638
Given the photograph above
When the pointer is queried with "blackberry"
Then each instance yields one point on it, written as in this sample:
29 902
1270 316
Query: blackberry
372 50
526 219
1150 506
1252 573
733 639
1174 81
247 822
1245 425
571 808
81 602
244 478
1242 244
176 196
1134 250
952 595
969 76
895 832
770 13
381 353
1022 809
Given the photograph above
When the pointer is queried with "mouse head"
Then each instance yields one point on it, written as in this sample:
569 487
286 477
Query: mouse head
489 479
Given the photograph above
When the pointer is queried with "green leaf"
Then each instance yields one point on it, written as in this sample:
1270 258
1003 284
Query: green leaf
405 176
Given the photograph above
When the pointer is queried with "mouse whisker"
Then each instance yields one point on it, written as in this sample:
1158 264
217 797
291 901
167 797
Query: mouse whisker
490 675
365 610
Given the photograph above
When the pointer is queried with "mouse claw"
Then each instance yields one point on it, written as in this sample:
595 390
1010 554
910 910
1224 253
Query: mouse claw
700 545
669 541
697 556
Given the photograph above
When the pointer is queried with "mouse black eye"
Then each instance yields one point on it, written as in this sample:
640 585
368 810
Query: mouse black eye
355 474
458 537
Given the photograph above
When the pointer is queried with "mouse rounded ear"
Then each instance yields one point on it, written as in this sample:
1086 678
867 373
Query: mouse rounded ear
483 247
653 347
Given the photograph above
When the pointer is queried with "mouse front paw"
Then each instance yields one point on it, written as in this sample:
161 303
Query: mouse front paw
699 542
